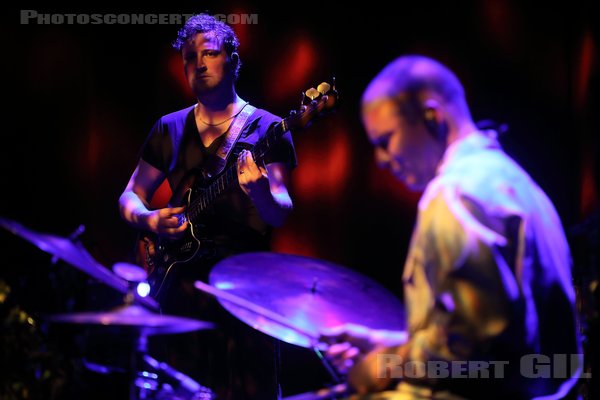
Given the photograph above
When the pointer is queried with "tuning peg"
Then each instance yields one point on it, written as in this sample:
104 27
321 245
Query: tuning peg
323 87
312 93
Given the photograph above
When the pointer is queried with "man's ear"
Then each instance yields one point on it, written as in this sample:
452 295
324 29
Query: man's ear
434 121
235 57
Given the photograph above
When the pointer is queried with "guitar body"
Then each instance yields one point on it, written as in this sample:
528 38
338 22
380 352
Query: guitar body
163 257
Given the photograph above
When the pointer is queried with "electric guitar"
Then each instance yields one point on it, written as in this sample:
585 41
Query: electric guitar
161 256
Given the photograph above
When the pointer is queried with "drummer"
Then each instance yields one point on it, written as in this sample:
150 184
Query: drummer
487 280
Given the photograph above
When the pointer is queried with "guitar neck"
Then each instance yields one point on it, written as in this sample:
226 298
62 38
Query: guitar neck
229 176
327 100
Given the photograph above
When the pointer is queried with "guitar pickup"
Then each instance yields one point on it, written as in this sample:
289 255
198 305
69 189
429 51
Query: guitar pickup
187 246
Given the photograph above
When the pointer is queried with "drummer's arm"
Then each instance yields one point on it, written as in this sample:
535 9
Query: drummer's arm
458 284
364 354
376 371
455 280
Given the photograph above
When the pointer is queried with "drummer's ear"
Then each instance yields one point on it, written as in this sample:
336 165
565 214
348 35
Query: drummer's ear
434 122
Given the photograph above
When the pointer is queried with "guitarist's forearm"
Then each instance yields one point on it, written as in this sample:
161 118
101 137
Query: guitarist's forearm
273 207
133 210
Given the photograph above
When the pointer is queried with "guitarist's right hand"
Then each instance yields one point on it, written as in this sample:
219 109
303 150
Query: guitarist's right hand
167 222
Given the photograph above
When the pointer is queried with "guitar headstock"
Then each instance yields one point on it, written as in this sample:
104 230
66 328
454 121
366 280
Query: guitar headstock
315 103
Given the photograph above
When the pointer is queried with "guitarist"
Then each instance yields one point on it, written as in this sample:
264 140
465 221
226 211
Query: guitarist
187 146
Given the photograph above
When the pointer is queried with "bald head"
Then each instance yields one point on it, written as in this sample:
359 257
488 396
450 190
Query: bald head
412 80
412 111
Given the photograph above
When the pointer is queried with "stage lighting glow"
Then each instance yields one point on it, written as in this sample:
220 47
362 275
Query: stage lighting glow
143 289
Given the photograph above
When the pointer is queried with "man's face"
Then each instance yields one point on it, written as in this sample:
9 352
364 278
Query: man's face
206 63
406 148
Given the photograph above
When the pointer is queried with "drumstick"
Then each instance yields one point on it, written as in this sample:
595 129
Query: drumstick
238 301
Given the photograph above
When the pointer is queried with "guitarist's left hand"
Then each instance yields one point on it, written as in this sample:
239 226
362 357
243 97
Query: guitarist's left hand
253 179
266 187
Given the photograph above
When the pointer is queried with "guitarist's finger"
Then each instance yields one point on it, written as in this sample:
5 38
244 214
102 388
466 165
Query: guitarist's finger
241 160
176 210
169 223
178 228
241 163
250 164
248 157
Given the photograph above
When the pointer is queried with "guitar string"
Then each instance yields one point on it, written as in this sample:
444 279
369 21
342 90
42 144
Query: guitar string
201 202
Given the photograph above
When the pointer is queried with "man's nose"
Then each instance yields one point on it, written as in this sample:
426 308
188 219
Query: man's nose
200 65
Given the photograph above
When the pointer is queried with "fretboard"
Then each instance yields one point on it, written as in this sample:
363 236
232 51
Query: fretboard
229 176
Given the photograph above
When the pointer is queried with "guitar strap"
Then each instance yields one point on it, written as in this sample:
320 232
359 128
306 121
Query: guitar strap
233 134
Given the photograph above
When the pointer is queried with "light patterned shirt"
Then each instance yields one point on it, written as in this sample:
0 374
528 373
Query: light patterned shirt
488 276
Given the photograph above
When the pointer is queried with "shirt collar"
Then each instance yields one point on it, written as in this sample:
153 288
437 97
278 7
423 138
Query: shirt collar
470 143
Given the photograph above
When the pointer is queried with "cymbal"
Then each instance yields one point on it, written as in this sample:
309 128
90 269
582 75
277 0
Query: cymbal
310 295
130 272
73 253
134 318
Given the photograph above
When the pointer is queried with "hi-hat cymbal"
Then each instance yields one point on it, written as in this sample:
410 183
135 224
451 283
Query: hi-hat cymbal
73 253
130 272
134 318
310 295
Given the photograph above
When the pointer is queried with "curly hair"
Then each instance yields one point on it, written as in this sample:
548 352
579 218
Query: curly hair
202 23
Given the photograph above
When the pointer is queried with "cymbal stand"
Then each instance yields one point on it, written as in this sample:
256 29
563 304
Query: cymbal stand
274 317
152 379
177 382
